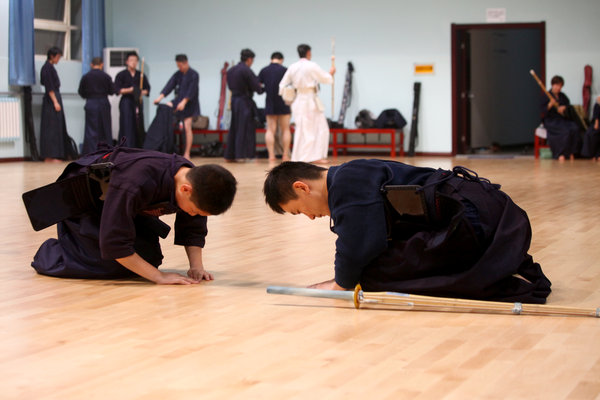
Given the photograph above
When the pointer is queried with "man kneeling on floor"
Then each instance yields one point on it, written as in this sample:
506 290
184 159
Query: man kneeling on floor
415 230
107 206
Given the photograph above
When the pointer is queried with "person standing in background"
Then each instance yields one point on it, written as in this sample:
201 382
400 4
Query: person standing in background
185 83
95 87
277 112
241 140
131 111
53 125
311 136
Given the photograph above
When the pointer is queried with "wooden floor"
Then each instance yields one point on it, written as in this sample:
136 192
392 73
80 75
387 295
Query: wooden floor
228 339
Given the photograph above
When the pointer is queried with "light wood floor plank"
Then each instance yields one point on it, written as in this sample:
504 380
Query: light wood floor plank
130 339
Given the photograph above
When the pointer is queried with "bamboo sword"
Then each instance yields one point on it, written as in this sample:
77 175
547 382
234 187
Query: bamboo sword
333 81
406 301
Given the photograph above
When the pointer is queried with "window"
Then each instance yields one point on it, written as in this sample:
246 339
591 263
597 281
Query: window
58 23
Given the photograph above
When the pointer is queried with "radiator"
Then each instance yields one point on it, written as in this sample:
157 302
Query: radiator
10 119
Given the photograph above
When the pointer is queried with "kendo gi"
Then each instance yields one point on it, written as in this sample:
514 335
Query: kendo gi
270 76
94 87
185 86
311 133
591 139
473 242
563 133
53 127
241 140
141 188
131 112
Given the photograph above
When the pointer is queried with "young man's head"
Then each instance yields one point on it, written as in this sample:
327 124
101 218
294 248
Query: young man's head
182 62
97 63
277 57
557 83
54 54
247 56
297 188
304 51
131 60
209 190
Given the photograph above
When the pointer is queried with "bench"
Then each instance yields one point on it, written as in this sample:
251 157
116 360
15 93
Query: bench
220 132
345 145
334 145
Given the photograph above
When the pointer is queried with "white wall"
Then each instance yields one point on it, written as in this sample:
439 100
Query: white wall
382 38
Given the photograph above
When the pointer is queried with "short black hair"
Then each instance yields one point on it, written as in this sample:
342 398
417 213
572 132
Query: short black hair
131 53
246 54
278 187
53 51
181 58
213 188
277 56
303 49
557 79
97 61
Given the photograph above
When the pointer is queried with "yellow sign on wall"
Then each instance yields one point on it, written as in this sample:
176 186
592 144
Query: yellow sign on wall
423 69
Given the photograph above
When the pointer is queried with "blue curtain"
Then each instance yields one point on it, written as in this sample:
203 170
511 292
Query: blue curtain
93 38
21 66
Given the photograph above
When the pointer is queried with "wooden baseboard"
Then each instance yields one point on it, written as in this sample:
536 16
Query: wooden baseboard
14 159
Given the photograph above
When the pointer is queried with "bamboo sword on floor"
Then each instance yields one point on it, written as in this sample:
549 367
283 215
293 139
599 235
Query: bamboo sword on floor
404 301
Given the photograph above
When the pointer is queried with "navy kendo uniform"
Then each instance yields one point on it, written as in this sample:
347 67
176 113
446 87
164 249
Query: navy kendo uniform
270 76
471 243
185 86
131 112
563 133
241 140
53 127
591 139
160 132
141 188
95 86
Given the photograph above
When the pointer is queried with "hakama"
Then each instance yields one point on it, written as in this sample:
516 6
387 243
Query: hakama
591 138
53 127
241 139
311 133
95 86
131 112
160 132
563 134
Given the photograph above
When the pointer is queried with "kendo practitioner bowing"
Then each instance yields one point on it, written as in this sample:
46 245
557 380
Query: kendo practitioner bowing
415 230
185 83
241 140
558 118
95 87
131 110
107 206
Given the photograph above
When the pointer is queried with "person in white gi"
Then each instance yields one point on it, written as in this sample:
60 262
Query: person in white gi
311 135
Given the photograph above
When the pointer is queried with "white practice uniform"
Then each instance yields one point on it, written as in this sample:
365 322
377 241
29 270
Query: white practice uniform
311 135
